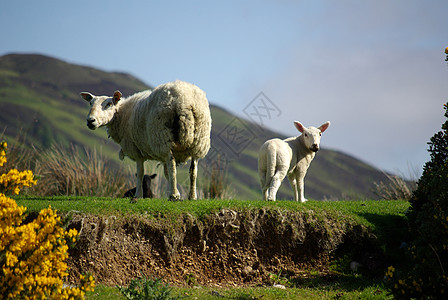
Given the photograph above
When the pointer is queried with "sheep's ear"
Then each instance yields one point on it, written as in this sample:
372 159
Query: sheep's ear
117 96
299 126
86 96
324 126
153 176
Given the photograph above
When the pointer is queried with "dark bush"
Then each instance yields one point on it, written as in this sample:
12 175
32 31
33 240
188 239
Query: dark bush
425 275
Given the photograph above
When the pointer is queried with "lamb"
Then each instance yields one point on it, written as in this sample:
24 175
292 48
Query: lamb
292 156
171 124
147 191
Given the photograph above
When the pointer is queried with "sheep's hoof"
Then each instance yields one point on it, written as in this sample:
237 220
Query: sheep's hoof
175 198
133 200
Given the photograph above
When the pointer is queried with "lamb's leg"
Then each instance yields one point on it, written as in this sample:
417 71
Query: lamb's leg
301 189
140 172
276 181
172 180
293 182
193 176
264 187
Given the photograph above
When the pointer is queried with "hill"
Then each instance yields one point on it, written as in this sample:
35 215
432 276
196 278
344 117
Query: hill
39 96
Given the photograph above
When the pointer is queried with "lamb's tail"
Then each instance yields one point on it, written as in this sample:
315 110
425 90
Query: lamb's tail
270 168
266 167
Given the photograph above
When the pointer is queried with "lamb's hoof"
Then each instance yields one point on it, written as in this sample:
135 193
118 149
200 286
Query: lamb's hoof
175 198
133 200
303 200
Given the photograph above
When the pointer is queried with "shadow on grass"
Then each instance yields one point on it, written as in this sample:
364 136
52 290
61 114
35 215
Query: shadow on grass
387 246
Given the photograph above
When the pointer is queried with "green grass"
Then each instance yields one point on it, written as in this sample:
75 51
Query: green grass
373 292
382 216
368 213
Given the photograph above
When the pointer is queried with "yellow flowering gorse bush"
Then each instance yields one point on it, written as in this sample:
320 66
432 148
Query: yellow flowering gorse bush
32 256
14 180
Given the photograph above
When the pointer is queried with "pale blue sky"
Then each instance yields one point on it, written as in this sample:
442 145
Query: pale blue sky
374 68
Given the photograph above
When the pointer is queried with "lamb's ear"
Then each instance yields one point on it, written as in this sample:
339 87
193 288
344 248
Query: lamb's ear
324 126
86 96
117 96
153 176
299 126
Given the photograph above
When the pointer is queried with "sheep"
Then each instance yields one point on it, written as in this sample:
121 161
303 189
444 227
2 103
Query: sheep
147 192
171 124
292 156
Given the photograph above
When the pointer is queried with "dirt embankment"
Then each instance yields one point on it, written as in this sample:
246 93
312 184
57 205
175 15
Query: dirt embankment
227 247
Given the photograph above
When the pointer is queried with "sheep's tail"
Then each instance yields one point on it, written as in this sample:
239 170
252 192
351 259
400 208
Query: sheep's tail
185 128
192 121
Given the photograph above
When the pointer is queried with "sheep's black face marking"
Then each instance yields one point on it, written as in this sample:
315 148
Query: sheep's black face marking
90 124
314 148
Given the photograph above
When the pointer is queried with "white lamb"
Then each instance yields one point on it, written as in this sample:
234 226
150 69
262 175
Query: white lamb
171 124
292 157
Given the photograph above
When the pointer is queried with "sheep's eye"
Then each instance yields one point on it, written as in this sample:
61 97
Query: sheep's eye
306 134
320 133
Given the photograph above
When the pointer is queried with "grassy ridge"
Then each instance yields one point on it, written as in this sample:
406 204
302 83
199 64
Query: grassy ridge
385 218
382 216
363 211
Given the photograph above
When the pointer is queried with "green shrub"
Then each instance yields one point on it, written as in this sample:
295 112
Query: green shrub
143 288
425 276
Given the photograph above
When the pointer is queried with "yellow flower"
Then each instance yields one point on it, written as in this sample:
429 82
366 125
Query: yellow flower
34 263
446 50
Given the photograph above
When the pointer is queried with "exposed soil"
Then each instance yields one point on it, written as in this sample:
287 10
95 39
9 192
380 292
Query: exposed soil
225 248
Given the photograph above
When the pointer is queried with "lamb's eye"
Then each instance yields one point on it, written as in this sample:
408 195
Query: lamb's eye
306 134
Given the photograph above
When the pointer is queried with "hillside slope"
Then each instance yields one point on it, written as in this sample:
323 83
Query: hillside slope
39 96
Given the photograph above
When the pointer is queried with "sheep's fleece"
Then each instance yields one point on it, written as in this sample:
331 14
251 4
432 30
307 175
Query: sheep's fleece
171 124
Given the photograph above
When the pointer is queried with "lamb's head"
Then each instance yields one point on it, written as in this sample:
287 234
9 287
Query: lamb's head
312 135
102 109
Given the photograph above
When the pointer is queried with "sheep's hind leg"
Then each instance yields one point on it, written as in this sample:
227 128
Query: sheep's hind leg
275 183
264 186
193 177
172 180
140 172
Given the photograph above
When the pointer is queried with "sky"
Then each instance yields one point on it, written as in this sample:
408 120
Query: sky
374 68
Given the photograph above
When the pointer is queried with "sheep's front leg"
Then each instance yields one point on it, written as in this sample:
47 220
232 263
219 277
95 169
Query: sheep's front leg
301 189
140 173
193 177
172 180
293 183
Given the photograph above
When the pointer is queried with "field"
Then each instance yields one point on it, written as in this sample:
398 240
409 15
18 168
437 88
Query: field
235 249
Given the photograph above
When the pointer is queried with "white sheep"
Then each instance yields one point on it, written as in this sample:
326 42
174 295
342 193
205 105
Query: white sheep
171 124
292 156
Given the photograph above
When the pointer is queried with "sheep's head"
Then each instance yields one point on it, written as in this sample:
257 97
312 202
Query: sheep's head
102 109
312 135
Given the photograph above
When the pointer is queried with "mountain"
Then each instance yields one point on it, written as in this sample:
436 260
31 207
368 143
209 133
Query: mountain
39 96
